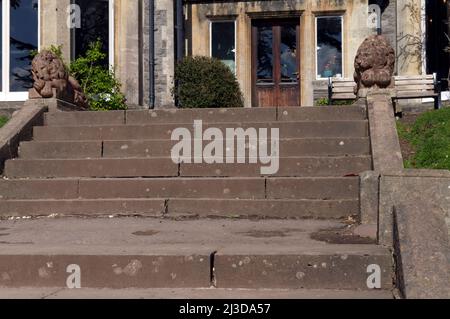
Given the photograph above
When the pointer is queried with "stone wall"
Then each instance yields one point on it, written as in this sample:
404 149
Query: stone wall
164 52
389 22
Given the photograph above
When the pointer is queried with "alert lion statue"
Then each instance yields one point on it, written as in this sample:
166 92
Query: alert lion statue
374 64
50 76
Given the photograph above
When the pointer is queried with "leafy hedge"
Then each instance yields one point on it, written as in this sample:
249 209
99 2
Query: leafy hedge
203 82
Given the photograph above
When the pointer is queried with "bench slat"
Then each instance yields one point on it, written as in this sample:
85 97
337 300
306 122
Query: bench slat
343 84
407 95
345 89
413 82
414 77
425 87
343 96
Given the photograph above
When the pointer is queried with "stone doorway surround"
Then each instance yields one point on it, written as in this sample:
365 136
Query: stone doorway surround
355 14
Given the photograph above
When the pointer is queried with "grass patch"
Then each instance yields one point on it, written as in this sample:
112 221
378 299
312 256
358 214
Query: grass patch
429 138
3 120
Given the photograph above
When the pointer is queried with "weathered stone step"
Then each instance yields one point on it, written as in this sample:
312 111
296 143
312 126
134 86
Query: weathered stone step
152 253
207 115
161 148
183 207
226 188
288 167
164 131
267 208
165 167
189 293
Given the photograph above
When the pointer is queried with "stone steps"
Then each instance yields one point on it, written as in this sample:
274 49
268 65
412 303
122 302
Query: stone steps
215 227
183 207
207 115
165 167
190 293
318 198
227 188
297 129
150 253
161 148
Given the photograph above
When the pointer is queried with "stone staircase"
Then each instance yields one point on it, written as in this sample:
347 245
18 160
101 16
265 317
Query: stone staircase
190 226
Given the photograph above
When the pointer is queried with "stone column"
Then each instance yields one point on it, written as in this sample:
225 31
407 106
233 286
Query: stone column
409 37
244 50
54 29
307 49
126 48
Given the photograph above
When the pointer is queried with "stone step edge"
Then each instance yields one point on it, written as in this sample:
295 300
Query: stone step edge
178 208
200 267
190 293
165 188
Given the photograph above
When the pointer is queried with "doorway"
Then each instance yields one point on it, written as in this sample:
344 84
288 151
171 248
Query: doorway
276 62
437 41
97 23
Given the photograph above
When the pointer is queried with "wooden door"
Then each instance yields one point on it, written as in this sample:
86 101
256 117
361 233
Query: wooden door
276 62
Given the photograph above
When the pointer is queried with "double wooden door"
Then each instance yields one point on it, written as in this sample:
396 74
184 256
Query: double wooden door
276 62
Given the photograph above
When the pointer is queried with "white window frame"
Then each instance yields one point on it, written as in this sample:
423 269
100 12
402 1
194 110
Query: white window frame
316 45
111 31
5 94
235 38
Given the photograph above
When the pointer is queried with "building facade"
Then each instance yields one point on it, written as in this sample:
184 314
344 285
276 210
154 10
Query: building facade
282 51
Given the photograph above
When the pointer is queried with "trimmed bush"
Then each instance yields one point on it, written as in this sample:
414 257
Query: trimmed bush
203 82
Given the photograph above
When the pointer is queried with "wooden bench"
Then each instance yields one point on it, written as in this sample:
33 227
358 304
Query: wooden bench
418 87
406 87
340 90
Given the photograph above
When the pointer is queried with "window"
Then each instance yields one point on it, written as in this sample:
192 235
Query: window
223 42
329 46
265 54
19 22
96 23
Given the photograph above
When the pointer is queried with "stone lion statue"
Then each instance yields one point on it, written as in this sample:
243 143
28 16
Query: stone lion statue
50 77
374 64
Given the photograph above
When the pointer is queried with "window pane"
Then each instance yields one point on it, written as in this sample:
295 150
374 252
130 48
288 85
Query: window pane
265 54
288 47
94 26
329 47
223 43
23 40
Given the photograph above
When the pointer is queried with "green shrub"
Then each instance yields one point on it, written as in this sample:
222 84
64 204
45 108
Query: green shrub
3 120
324 102
430 137
99 83
203 82
321 102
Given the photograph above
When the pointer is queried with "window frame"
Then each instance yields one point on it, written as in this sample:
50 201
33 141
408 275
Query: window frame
341 16
111 34
211 21
5 93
